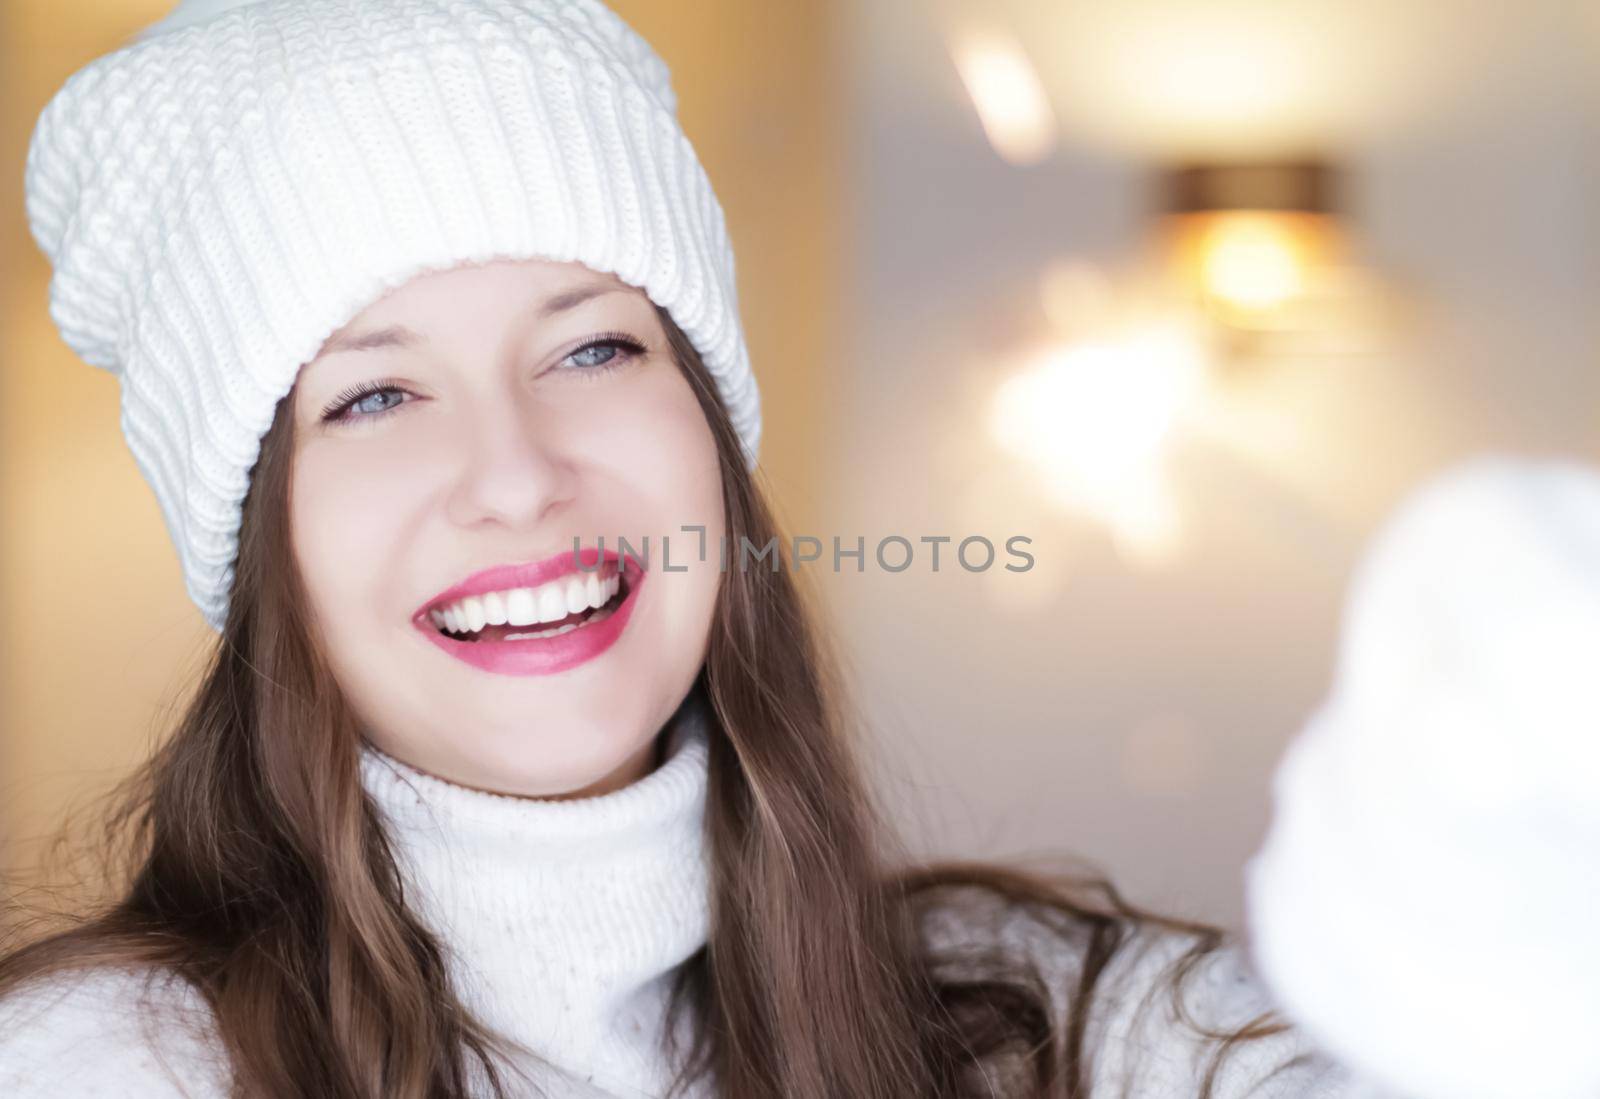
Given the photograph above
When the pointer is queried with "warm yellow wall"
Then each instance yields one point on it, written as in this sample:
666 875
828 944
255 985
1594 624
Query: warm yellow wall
99 635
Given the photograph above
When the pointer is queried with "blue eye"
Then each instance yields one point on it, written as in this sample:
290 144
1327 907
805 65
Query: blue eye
605 353
339 410
615 349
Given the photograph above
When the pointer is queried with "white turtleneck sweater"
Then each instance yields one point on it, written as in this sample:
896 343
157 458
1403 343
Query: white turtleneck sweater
563 921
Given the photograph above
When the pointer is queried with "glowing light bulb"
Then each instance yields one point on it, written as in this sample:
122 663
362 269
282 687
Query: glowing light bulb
1252 263
1254 268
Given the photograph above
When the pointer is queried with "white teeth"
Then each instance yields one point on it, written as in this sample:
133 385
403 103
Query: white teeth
577 596
550 602
556 632
494 608
522 609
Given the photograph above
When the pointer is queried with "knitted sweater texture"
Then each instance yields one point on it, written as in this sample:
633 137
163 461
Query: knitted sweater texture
563 922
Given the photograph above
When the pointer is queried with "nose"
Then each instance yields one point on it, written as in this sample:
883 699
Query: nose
514 472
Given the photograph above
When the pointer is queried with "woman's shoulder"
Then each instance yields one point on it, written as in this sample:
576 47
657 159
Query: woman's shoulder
134 1032
1172 994
1158 988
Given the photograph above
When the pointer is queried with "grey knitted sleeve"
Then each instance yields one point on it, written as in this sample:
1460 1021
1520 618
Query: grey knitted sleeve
109 1032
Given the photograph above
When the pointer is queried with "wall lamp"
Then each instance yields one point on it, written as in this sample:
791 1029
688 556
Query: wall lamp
1253 243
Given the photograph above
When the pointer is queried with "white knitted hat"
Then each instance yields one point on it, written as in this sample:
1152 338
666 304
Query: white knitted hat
221 195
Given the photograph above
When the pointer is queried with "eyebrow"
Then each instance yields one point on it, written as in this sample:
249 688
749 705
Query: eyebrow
398 335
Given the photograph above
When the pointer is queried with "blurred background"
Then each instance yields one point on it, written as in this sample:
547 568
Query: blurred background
1187 294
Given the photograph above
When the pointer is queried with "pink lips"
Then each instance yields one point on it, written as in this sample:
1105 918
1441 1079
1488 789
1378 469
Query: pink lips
543 655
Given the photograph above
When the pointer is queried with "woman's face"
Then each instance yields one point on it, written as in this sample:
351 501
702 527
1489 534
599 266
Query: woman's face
510 408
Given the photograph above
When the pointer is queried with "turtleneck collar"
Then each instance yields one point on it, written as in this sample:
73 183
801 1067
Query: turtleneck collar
563 919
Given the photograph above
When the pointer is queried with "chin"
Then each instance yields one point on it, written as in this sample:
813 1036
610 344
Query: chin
556 764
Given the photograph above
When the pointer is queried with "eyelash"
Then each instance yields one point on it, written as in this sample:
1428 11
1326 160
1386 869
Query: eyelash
337 409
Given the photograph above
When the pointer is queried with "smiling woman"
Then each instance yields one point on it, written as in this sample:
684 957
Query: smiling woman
466 803
531 409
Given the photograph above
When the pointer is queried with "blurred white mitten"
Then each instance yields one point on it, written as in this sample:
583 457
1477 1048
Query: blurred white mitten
1427 901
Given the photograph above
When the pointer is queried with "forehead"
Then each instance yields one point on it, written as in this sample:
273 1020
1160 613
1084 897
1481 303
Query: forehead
501 302
480 291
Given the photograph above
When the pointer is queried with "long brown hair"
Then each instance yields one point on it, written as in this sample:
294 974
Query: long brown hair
258 871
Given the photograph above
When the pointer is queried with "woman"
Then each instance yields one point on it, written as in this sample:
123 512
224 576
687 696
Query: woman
413 304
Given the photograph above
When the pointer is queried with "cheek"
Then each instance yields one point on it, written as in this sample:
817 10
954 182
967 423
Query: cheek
659 438
661 447
646 419
349 512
